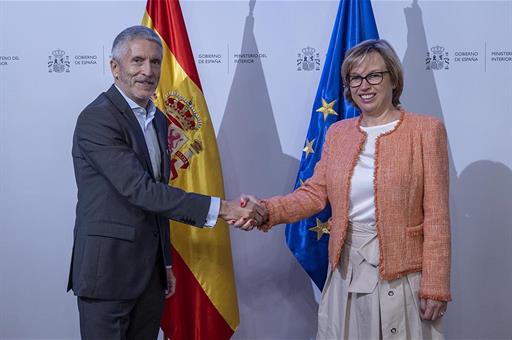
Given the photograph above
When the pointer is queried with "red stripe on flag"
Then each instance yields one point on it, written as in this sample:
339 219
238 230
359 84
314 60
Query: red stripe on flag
168 21
189 313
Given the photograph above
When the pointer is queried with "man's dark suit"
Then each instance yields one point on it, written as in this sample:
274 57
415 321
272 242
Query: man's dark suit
121 229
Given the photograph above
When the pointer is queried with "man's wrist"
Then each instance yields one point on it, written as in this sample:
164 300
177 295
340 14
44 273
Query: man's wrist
222 209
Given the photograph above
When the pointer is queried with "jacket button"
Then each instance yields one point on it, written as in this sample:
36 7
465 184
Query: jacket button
390 293
393 330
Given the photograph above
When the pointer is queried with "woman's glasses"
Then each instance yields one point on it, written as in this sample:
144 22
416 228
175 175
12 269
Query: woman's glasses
374 78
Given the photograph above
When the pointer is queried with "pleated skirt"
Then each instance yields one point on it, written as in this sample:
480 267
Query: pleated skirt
389 310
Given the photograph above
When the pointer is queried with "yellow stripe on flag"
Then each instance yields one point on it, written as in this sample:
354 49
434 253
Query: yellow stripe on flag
207 252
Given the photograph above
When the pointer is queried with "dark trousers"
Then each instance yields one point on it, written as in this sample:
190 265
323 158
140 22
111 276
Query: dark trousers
137 319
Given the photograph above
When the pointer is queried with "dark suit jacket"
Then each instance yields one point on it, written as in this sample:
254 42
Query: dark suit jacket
121 228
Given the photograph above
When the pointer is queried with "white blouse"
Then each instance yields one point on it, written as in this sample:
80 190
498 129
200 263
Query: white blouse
362 203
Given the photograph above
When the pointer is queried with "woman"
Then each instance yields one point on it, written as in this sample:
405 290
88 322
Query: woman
385 175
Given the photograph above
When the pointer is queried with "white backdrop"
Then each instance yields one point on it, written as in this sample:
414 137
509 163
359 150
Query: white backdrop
260 110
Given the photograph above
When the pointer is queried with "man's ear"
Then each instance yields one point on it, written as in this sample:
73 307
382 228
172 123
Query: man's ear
114 67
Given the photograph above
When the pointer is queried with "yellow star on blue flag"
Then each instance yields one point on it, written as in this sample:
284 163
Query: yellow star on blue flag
320 229
309 147
327 108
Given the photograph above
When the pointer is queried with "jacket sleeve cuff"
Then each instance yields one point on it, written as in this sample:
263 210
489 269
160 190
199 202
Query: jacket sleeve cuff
213 212
436 297
271 221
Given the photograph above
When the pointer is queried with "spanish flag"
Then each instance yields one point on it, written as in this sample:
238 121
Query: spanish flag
205 303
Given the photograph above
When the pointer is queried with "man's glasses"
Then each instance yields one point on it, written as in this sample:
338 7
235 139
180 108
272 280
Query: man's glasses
374 78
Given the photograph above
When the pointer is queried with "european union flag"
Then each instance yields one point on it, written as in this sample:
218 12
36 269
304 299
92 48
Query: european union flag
306 239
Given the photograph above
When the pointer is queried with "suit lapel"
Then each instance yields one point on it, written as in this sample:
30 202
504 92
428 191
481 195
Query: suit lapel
120 103
161 131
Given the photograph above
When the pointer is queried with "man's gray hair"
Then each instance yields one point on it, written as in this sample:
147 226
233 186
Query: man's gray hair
135 32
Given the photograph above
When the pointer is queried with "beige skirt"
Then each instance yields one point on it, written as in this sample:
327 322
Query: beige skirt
357 305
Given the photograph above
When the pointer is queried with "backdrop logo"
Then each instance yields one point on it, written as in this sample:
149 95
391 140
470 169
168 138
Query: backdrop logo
437 59
58 62
308 60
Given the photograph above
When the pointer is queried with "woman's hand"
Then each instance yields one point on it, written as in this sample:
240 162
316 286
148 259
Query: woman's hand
432 310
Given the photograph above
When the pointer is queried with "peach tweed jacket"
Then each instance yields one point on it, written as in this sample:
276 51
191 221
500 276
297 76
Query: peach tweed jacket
411 198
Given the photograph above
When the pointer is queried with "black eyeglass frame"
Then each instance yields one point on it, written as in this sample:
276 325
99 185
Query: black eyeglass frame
351 78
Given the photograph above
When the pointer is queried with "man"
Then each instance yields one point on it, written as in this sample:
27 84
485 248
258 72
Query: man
121 263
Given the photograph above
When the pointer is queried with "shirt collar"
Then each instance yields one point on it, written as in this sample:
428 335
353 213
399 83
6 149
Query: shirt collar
136 108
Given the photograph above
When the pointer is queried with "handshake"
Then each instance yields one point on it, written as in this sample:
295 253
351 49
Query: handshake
245 214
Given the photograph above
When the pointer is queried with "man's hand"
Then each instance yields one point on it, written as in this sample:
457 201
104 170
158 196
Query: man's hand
244 216
171 283
432 310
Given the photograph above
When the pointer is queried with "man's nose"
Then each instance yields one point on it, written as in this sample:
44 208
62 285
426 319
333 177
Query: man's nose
146 68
